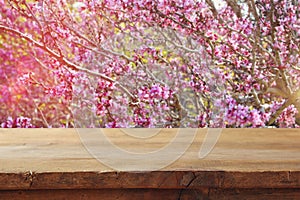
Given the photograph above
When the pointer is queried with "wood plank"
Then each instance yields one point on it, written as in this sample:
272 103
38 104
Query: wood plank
254 194
60 150
41 159
120 194
150 194
159 179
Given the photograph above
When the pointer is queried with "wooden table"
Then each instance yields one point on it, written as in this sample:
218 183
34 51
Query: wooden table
56 164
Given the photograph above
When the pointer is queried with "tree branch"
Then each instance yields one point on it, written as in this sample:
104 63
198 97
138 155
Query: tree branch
63 60
291 100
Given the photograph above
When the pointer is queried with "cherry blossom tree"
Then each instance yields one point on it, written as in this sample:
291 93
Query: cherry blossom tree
158 63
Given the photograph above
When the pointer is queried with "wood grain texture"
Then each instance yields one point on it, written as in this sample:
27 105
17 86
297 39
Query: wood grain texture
150 194
159 180
243 162
119 194
60 150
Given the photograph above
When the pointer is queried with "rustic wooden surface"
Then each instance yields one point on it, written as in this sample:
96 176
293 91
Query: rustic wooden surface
153 194
244 162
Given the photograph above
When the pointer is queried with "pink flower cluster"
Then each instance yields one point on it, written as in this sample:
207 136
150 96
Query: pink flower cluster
156 63
239 115
287 118
104 99
18 122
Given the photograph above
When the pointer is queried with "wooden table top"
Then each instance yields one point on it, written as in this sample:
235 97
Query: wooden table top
66 158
